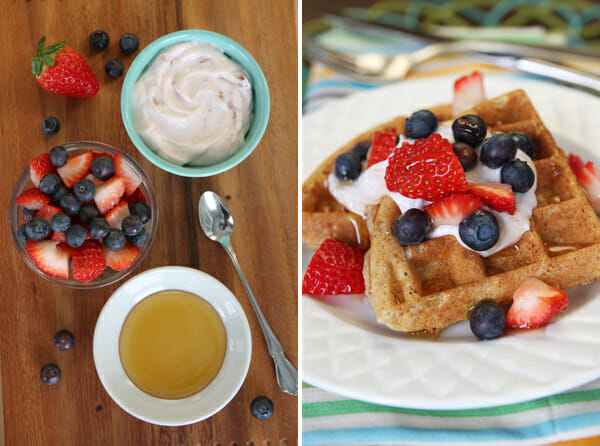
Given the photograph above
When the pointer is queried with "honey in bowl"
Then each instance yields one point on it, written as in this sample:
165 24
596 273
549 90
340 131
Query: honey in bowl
172 344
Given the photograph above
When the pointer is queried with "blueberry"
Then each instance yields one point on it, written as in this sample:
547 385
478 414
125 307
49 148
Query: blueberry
103 168
347 166
88 212
60 192
487 320
76 235
58 156
22 233
497 150
361 149
50 374
141 209
479 231
84 190
420 124
131 225
411 227
63 340
469 129
98 228
70 204
99 40
129 43
60 222
37 229
27 214
114 68
49 183
261 408
524 143
518 174
114 240
139 239
50 125
466 155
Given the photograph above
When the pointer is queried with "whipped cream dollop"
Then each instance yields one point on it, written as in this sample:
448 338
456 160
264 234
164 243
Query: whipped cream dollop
369 188
193 104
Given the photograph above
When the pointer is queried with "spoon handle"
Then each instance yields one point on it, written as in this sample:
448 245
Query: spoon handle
287 375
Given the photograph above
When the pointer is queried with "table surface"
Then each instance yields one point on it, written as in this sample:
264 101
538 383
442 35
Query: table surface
261 193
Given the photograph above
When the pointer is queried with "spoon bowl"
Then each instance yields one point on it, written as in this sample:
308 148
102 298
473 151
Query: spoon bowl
215 218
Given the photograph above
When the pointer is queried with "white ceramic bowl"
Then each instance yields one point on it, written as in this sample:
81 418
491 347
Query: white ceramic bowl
209 400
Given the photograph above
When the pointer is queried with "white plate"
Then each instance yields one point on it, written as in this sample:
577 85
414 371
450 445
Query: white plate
347 352
185 410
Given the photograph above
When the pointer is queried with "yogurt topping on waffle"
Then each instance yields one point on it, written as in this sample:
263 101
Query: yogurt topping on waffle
370 187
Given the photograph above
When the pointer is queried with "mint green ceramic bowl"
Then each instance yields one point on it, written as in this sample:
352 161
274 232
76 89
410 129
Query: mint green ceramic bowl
235 51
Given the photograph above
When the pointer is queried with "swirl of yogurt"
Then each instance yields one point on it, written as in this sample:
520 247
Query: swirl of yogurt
193 104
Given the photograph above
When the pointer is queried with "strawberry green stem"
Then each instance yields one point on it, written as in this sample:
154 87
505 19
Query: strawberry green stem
44 56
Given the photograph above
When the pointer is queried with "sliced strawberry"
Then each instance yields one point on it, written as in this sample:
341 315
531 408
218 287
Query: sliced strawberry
109 194
115 216
453 209
32 198
130 177
76 168
48 258
575 162
137 195
383 144
430 170
59 237
468 91
336 268
121 259
66 248
588 178
534 304
47 212
97 181
39 167
88 262
498 196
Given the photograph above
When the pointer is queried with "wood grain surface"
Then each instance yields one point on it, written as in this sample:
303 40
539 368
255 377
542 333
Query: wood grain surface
261 192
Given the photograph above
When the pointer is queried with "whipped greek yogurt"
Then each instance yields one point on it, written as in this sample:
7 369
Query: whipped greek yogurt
193 104
369 188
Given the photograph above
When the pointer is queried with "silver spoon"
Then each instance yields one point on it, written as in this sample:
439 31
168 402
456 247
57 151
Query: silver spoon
217 222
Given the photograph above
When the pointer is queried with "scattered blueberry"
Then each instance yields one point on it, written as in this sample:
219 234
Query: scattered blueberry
50 125
49 183
99 40
98 228
76 235
524 143
58 156
60 222
261 408
469 129
114 240
411 227
141 209
64 340
497 150
487 320
103 167
347 166
37 229
129 43
84 190
50 374
139 239
61 192
88 212
70 204
131 225
361 149
518 174
421 124
114 68
466 155
27 214
479 231
22 233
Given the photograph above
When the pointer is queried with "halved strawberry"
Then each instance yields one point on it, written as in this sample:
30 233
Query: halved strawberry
48 258
588 178
575 162
39 167
498 196
115 216
534 304
109 194
384 143
66 248
137 195
121 259
130 177
97 181
32 198
59 237
453 209
76 168
47 212
336 268
88 262
468 91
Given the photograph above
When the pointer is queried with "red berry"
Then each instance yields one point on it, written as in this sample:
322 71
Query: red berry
137 195
130 177
588 178
468 91
498 196
47 212
115 216
39 167
384 142
76 168
121 259
32 199
88 262
453 209
48 258
534 304
109 194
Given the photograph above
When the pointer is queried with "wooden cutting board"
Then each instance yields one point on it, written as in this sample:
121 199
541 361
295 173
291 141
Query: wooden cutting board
261 192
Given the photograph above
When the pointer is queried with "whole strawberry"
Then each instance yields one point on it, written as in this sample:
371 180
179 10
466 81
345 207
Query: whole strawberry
60 69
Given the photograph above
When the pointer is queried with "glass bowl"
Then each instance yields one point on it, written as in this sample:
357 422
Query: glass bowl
109 276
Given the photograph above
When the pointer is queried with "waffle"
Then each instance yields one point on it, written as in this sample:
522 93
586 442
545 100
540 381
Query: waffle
436 283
